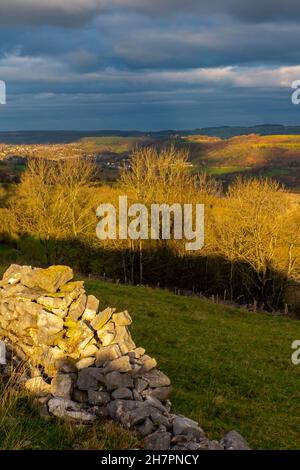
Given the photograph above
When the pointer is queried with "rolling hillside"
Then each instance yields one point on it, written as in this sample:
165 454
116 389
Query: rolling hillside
276 156
230 369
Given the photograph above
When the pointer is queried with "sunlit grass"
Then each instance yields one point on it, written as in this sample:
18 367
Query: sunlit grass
230 368
225 170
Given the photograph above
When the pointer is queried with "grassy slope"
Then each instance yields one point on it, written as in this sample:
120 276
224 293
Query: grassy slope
229 368
22 428
245 150
114 144
264 155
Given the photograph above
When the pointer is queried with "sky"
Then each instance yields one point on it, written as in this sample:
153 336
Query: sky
148 64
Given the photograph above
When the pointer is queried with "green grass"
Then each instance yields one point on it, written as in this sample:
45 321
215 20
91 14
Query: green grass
231 369
8 252
114 144
225 170
277 172
22 428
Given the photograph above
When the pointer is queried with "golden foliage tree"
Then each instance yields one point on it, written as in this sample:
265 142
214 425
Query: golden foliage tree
54 199
249 231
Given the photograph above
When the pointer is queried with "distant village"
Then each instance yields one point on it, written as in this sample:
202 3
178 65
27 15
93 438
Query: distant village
18 154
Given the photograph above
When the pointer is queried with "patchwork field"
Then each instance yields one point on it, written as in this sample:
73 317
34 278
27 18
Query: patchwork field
275 156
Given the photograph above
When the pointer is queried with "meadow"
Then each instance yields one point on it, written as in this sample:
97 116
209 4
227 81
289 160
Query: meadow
230 369
276 156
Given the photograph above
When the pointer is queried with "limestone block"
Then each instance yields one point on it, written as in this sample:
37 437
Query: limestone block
13 274
79 335
90 378
50 279
148 363
145 428
123 339
68 409
89 351
70 287
107 353
91 308
62 386
85 362
77 307
121 364
114 380
156 378
232 440
122 393
49 323
65 366
98 397
102 318
161 393
186 426
140 384
159 440
107 334
122 318
52 302
37 386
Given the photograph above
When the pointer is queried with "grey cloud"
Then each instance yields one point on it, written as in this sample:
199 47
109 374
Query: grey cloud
180 110
76 12
135 43
147 63
209 46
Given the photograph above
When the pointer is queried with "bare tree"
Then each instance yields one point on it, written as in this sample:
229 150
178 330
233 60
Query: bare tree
249 228
54 199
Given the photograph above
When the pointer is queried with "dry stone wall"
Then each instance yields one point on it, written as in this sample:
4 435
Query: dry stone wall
83 362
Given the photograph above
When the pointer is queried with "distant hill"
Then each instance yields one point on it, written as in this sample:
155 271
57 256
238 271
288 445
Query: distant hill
58 137
64 137
270 150
276 156
225 132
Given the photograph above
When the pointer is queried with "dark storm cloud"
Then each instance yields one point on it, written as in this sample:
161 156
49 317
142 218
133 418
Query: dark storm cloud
72 12
182 111
138 43
191 46
147 63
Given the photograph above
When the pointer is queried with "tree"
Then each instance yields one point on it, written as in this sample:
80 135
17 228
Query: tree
163 176
156 176
249 231
55 199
